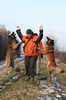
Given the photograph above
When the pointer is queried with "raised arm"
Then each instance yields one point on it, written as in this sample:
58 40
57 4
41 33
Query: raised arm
18 30
40 35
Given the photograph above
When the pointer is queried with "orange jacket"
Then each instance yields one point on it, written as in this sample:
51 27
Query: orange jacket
31 49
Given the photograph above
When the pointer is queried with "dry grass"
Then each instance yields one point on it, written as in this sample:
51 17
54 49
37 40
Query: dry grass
25 90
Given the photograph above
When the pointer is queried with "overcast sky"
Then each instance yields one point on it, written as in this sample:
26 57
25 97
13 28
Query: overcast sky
32 13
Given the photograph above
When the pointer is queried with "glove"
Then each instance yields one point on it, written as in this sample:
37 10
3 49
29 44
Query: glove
36 42
41 29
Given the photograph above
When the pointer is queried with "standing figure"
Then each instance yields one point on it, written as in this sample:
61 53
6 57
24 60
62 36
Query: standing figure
31 44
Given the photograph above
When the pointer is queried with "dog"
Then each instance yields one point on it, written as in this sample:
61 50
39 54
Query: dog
11 49
49 51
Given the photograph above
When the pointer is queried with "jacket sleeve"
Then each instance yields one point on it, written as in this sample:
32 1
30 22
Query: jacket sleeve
20 35
39 37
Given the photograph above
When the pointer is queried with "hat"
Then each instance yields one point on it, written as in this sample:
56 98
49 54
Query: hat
29 31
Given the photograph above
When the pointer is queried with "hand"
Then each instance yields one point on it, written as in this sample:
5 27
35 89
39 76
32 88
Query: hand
41 27
36 41
18 28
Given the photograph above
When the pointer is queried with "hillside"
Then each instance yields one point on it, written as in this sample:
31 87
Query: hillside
29 90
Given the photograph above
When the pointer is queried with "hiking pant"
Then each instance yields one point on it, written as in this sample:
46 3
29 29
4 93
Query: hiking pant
30 65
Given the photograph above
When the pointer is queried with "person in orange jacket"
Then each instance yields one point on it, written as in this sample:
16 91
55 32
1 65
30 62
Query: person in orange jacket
31 44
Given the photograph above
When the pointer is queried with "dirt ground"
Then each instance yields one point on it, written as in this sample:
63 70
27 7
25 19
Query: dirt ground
26 90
